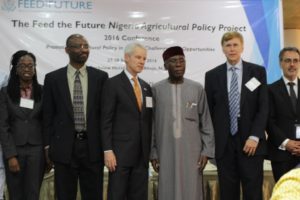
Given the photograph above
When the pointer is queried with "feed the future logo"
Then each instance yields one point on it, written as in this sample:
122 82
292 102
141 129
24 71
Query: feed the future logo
47 5
8 5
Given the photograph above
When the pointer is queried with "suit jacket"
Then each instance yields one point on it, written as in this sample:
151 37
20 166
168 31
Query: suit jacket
58 115
253 106
19 126
125 129
282 120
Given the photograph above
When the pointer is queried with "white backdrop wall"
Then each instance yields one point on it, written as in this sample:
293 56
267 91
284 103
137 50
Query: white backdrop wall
42 26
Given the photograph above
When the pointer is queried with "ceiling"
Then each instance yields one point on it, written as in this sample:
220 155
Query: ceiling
291 14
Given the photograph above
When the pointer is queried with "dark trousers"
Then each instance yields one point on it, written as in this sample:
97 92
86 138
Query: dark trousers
279 168
26 184
129 183
236 168
89 174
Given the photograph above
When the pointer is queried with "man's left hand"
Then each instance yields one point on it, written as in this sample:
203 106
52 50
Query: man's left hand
202 162
250 147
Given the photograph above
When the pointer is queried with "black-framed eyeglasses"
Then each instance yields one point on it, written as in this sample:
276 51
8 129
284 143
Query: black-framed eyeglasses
79 46
23 66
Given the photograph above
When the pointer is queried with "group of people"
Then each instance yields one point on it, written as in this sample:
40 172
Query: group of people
81 121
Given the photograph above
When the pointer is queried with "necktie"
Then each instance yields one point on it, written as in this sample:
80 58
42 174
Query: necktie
234 102
137 92
293 95
78 111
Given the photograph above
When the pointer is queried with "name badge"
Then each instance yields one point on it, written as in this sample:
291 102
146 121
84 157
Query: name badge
149 102
297 131
252 84
26 103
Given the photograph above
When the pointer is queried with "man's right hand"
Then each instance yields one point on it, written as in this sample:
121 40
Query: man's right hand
49 163
13 164
110 160
155 165
293 146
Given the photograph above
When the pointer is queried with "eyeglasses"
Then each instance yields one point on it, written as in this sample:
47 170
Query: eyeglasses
23 66
79 46
289 61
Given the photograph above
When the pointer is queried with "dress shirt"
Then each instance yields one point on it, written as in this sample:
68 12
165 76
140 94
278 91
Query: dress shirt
129 76
3 79
84 83
239 71
286 81
26 92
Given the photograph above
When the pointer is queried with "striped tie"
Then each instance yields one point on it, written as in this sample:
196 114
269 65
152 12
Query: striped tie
234 102
79 120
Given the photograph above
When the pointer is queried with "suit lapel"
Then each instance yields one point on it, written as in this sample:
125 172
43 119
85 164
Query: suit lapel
298 95
223 83
22 112
245 77
64 90
128 87
285 95
35 109
90 91
145 94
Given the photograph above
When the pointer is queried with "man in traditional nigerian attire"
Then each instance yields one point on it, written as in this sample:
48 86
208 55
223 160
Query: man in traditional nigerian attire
183 137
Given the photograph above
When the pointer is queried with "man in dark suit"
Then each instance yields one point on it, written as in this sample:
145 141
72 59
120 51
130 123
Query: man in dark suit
126 128
284 115
237 98
72 103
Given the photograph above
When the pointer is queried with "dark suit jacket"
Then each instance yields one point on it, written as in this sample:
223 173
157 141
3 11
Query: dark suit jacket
125 130
58 114
253 106
282 120
19 126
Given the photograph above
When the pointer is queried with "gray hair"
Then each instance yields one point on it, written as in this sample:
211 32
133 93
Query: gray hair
129 49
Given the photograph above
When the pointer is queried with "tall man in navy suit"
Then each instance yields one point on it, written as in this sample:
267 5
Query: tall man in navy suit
72 101
238 102
126 128
284 115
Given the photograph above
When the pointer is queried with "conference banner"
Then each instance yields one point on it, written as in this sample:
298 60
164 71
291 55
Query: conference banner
42 26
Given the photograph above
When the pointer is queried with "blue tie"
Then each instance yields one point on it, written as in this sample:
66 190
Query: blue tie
234 102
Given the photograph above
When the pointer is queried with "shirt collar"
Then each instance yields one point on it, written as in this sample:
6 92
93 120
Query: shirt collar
286 81
129 75
237 66
28 87
71 70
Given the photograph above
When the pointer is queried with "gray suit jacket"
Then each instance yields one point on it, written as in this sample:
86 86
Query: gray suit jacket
18 126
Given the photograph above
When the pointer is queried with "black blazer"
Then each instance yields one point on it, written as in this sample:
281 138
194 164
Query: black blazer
282 120
125 129
19 126
253 106
58 114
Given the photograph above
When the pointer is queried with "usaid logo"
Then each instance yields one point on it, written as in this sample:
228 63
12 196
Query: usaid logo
8 5
47 5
